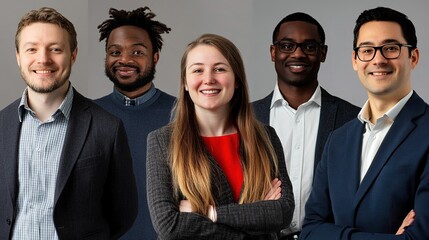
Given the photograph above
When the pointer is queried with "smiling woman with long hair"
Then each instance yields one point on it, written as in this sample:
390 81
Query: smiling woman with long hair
215 172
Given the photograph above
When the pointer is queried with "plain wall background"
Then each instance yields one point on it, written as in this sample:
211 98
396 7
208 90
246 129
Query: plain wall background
248 23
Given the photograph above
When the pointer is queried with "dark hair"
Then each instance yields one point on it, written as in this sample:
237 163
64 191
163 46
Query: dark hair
47 15
303 17
138 18
389 15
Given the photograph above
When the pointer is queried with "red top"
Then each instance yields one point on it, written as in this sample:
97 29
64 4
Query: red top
226 151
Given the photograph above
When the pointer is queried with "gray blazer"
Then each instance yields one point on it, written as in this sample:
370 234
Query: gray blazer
259 220
333 114
95 193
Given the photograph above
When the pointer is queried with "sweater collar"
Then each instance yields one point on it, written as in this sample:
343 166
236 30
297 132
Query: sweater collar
135 101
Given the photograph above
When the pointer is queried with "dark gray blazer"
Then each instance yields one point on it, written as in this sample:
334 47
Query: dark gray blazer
95 194
333 114
259 220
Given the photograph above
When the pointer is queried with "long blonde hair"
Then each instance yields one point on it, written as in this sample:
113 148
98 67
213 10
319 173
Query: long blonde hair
190 165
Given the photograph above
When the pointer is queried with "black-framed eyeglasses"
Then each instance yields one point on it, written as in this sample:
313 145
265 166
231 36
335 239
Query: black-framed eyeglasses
289 47
388 51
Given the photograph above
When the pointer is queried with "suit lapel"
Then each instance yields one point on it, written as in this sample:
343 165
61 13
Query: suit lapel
262 109
401 128
77 130
328 113
351 167
10 141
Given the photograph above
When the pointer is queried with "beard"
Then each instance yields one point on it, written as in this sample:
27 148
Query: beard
56 83
140 81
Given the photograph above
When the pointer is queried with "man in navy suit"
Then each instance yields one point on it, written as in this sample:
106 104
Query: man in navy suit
374 170
302 113
65 165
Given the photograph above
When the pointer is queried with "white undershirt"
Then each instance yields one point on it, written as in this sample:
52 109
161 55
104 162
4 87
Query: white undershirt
297 130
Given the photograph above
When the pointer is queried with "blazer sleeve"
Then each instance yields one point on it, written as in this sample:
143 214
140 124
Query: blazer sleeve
167 220
263 216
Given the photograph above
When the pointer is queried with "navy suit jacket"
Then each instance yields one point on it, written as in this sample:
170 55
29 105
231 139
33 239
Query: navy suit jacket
340 207
333 114
95 192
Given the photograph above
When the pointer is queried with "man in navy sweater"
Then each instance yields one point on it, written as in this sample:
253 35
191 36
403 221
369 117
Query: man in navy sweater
133 43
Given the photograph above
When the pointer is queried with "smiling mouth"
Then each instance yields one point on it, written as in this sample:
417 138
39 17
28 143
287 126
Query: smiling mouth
43 71
126 71
212 91
297 66
380 73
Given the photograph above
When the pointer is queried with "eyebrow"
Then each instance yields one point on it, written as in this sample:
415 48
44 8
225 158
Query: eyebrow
37 43
133 45
26 44
368 43
291 40
285 39
201 64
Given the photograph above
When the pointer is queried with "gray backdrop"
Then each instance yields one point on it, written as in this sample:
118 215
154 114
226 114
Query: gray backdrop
248 23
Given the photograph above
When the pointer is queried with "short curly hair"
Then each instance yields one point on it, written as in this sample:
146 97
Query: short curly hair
139 18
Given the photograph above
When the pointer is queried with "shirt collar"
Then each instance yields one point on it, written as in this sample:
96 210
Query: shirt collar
64 108
392 113
278 97
135 101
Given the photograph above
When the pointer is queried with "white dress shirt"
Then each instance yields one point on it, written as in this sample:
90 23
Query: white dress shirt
297 130
375 133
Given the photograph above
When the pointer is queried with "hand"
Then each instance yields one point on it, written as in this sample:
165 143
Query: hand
212 214
185 206
275 191
409 219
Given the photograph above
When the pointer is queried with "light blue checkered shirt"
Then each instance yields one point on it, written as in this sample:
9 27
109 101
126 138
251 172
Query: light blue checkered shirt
40 150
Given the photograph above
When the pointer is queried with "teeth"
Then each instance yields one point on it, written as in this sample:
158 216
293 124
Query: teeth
43 71
209 91
379 73
297 66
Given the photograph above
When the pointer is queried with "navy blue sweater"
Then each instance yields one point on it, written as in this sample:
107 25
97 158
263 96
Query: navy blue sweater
139 120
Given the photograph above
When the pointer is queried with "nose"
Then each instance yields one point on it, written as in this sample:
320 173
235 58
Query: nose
298 52
209 78
125 58
379 58
43 57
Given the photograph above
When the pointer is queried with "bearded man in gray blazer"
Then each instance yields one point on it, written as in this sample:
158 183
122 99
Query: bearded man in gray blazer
65 164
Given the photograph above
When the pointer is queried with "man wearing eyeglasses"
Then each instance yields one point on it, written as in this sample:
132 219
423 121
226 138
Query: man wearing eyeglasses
302 112
373 180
